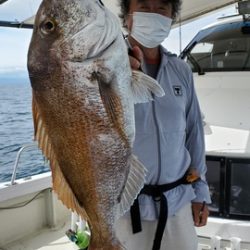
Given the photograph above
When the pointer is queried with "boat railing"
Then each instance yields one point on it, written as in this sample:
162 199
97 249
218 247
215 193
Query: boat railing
21 150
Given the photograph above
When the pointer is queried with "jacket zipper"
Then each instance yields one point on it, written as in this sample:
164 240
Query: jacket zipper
158 142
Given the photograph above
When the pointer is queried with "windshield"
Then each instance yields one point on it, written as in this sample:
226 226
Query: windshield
225 49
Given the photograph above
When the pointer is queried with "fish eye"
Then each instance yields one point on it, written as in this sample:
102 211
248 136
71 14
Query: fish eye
47 27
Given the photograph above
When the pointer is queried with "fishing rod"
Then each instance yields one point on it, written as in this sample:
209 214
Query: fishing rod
11 24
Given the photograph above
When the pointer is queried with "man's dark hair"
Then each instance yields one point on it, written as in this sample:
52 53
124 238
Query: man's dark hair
176 5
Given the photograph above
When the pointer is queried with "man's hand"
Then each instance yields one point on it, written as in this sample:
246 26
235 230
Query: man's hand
136 58
200 213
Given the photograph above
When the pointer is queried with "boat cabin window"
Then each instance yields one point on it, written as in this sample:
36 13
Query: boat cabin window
222 50
228 180
239 195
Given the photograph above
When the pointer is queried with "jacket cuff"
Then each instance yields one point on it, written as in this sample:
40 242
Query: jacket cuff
202 192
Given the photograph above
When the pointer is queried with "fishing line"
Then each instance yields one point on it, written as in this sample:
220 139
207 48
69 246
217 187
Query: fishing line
180 34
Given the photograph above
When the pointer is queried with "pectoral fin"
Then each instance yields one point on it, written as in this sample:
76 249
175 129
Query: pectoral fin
134 184
112 104
143 86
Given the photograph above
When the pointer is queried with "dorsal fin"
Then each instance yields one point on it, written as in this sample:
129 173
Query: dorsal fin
133 186
60 185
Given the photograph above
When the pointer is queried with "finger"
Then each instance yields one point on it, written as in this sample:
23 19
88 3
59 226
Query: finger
203 217
203 220
137 53
134 63
196 216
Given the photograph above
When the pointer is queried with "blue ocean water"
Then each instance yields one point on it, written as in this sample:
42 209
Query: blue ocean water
16 130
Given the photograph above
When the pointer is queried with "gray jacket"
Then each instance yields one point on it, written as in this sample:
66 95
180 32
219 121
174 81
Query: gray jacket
169 137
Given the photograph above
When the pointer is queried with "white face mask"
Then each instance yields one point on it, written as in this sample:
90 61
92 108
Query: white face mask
150 29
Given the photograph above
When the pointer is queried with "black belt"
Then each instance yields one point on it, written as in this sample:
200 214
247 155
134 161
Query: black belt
157 193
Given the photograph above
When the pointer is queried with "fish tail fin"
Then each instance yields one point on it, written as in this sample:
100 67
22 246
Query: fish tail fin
133 186
143 86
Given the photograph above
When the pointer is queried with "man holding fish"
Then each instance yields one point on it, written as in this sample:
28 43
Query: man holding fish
83 113
169 138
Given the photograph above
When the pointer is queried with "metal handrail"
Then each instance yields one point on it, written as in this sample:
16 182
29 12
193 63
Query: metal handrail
23 148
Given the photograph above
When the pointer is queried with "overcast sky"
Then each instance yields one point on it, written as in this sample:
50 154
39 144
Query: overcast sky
14 42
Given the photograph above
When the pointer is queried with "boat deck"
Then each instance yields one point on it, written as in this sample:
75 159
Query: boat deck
47 239
32 218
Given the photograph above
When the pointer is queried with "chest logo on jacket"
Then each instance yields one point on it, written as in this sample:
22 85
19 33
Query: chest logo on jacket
177 90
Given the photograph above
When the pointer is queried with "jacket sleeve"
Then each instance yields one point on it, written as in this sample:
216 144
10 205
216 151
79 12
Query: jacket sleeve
195 143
